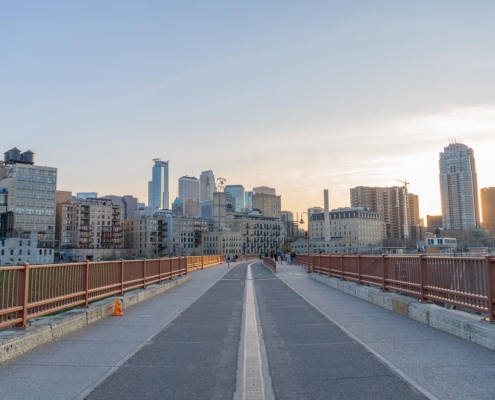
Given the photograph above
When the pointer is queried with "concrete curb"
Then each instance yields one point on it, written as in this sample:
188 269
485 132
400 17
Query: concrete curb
458 323
16 342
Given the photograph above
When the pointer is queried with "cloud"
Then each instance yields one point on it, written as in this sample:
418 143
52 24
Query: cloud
485 64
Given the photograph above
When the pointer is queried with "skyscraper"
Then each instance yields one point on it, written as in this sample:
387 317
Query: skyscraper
237 191
188 189
207 185
488 209
158 186
459 187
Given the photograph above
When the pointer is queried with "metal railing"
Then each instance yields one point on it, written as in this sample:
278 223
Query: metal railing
466 282
31 291
271 263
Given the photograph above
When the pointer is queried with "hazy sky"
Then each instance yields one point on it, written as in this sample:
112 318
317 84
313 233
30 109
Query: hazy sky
301 96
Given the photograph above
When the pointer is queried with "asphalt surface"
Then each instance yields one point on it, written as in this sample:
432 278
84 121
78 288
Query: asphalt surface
309 357
195 357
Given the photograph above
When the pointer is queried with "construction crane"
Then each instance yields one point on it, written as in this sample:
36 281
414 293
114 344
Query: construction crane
404 182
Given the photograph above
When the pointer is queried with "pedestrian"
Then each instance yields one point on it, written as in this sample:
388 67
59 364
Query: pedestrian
287 257
279 256
228 261
242 256
236 257
293 257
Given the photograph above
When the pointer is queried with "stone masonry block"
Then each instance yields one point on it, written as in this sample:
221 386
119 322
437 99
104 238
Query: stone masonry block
451 321
483 333
376 297
401 304
16 342
420 312
362 292
66 323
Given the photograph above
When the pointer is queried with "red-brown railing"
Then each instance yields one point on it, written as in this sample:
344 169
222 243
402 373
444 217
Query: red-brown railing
461 281
270 262
200 262
31 291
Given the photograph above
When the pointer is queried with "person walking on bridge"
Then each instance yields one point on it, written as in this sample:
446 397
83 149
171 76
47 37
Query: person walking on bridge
228 260
287 257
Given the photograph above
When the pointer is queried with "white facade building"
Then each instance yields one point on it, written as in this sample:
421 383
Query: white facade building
188 189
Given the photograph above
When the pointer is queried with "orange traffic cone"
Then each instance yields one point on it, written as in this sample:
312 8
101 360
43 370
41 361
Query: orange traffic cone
117 311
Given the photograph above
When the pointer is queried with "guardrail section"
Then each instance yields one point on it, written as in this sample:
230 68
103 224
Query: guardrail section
461 281
31 291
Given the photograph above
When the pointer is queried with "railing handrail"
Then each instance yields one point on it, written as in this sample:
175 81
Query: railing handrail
31 291
466 282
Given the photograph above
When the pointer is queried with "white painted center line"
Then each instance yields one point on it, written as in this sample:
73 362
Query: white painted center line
253 374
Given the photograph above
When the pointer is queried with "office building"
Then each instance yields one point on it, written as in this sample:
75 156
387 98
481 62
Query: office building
205 209
207 185
358 223
248 200
264 190
237 191
158 187
31 191
416 229
459 188
270 205
191 208
223 242
86 195
188 189
488 209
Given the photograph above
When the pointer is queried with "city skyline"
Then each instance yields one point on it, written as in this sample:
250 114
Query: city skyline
330 96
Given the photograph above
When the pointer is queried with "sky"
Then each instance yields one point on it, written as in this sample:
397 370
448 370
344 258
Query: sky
298 95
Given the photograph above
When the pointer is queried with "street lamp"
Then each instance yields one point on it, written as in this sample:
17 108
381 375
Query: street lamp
302 222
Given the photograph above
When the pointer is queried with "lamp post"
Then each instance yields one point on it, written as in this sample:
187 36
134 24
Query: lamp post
302 222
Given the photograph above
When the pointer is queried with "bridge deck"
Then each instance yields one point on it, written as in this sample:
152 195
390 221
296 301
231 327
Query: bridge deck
315 342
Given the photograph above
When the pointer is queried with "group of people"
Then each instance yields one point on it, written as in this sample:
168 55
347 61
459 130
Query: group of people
290 257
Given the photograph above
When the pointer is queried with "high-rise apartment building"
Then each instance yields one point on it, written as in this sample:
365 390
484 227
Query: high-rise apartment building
488 209
207 185
459 187
392 205
433 222
237 191
188 189
31 196
416 229
158 186
90 224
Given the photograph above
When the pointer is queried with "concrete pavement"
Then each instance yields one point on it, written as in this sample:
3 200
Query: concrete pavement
314 342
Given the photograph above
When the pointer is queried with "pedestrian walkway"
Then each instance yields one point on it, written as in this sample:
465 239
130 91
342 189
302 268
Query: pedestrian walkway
246 333
72 366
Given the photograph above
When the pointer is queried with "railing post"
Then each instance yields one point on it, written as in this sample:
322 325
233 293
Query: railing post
22 294
319 264
144 273
85 282
160 269
423 277
121 276
341 267
490 287
359 268
385 272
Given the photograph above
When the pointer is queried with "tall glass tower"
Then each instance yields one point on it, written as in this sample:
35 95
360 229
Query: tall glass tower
459 188
158 186
237 191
